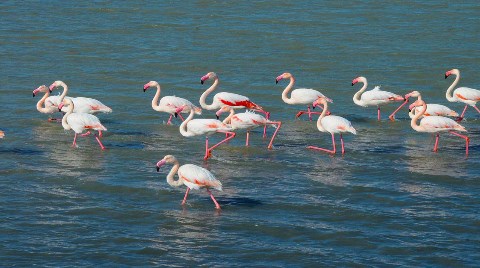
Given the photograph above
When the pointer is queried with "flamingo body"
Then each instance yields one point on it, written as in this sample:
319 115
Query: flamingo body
433 124
466 95
82 104
197 127
171 104
435 110
336 124
304 96
195 177
377 97
80 122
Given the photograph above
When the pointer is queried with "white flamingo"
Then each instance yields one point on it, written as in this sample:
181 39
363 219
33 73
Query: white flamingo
432 109
47 104
375 97
193 176
469 96
332 124
170 104
195 127
80 122
300 95
436 124
82 104
248 120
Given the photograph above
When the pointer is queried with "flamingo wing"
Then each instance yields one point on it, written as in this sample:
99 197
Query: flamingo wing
440 123
437 109
206 126
379 95
337 124
196 177
466 93
247 120
174 103
81 121
305 95
89 105
234 100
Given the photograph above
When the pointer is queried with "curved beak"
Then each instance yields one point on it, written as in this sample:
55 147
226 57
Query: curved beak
33 94
446 76
201 81
160 163
353 83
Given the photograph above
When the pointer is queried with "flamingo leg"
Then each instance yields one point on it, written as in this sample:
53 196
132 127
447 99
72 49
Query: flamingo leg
323 149
378 113
100 134
217 206
169 120
74 144
181 117
248 136
467 140
231 136
86 134
392 116
207 152
279 125
435 147
185 197
267 115
476 108
99 142
341 141
464 110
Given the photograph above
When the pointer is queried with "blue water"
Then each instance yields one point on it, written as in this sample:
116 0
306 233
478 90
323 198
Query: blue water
389 201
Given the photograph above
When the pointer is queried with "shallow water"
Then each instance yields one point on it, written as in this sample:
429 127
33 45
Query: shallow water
388 201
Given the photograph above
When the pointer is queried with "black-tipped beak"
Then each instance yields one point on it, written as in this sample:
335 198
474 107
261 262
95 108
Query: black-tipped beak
59 109
446 76
218 117
201 81
276 81
176 115
144 89
34 95
409 110
158 169
353 84
49 90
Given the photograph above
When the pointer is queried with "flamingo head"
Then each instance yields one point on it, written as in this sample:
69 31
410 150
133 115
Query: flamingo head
222 110
283 76
320 100
210 75
412 94
42 88
358 79
149 84
65 102
54 85
418 102
452 71
167 159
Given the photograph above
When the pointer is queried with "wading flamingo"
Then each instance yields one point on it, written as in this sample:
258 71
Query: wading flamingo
47 104
467 95
170 104
2 134
82 104
80 122
436 124
248 120
332 124
193 176
432 109
300 95
375 97
221 99
195 127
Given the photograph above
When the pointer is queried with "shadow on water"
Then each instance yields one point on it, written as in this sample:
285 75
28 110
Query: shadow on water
239 202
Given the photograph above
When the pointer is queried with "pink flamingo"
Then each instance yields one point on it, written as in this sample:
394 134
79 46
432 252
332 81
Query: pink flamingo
436 124
375 97
332 124
300 95
248 120
467 95
193 176
2 134
80 122
47 104
206 127
170 104
432 109
82 104
221 99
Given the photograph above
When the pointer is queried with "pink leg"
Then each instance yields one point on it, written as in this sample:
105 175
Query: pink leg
467 140
465 109
185 197
476 108
169 120
231 136
207 152
99 142
378 112
309 113
217 206
392 116
181 117
435 147
341 141
86 134
100 134
248 137
279 124
75 141
267 115
323 149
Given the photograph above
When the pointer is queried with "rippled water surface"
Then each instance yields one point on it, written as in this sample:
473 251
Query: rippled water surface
388 201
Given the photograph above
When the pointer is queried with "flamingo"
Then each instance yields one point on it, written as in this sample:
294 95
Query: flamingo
193 176
170 104
82 104
467 95
2 134
332 124
80 122
206 127
300 95
227 99
432 109
375 97
47 104
436 124
248 120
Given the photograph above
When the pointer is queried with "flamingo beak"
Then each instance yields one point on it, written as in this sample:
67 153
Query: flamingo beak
446 76
201 81
34 94
176 115
160 163
158 169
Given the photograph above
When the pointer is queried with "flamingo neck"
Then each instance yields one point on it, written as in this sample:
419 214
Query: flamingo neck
40 104
183 126
449 93
287 90
64 93
357 97
322 115
65 124
173 171
228 120
203 97
417 115
155 104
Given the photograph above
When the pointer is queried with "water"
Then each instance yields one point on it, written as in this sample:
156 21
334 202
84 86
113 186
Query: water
388 201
